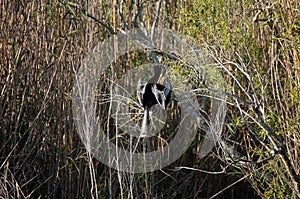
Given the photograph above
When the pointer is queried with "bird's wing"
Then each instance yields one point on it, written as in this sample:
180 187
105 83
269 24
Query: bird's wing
168 86
140 91
156 93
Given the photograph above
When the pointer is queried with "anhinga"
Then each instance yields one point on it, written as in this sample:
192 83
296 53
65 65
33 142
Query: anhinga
153 93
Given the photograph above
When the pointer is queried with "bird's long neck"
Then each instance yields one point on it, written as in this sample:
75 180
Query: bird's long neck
157 73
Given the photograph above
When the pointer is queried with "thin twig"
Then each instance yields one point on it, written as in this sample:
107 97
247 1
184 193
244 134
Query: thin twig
200 170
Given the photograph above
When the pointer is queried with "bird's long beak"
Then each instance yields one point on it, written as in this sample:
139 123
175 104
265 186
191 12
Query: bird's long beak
145 122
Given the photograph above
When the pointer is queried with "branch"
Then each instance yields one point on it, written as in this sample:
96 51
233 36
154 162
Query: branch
85 12
99 22
200 170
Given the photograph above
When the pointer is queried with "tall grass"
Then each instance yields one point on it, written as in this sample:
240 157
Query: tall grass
42 44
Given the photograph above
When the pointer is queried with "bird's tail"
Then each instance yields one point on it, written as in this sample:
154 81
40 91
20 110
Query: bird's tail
145 123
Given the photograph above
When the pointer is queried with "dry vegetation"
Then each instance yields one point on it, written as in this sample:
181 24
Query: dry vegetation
257 44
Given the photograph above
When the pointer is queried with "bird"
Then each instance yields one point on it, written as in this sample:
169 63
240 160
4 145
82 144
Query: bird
153 93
